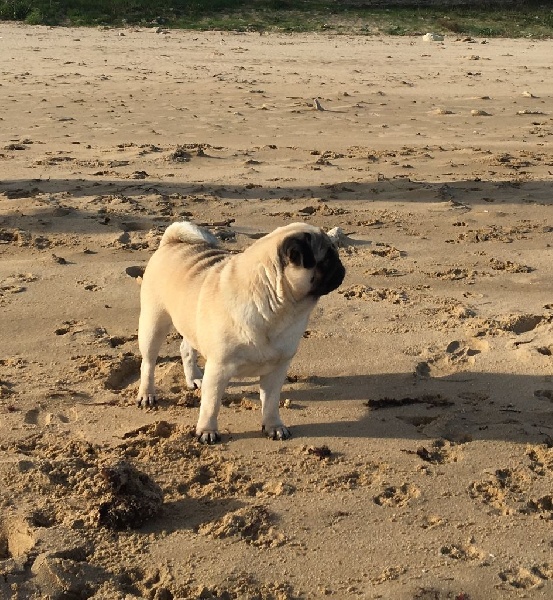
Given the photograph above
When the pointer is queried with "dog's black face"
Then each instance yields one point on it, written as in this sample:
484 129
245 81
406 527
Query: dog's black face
317 254
329 273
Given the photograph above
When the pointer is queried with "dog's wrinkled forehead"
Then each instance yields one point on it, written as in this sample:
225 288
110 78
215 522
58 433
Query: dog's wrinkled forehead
305 248
320 243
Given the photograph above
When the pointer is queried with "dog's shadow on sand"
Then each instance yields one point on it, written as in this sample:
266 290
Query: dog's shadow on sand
462 407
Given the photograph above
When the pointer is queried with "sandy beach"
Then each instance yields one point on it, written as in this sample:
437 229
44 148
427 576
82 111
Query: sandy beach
420 400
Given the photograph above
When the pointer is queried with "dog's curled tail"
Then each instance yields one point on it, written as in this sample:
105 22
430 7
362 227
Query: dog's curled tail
187 233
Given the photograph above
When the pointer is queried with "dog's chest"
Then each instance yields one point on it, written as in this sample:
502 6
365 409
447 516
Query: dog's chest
255 362
269 349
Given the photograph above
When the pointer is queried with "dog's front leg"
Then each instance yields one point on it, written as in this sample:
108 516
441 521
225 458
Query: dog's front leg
215 380
270 386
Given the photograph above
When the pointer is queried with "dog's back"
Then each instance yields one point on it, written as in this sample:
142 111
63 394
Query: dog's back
176 273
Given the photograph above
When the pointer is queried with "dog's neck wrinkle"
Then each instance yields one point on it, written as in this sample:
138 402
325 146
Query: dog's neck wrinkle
267 296
271 294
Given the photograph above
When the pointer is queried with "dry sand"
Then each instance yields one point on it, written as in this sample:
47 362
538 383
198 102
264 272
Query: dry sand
421 397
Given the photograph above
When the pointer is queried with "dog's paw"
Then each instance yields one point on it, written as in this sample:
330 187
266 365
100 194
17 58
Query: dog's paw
194 384
208 437
146 401
280 432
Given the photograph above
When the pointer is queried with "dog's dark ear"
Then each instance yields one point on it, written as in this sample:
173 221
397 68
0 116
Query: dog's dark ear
296 249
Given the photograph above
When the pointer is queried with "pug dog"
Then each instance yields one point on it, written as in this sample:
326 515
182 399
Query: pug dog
244 313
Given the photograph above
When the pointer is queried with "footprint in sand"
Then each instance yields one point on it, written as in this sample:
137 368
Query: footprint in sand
544 395
509 266
458 355
254 525
541 507
527 579
116 373
508 492
36 416
439 453
363 292
520 323
466 551
69 327
397 495
15 236
15 284
541 459
432 521
122 371
89 286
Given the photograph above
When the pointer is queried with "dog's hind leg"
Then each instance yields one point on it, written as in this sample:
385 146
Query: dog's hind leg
192 373
153 327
